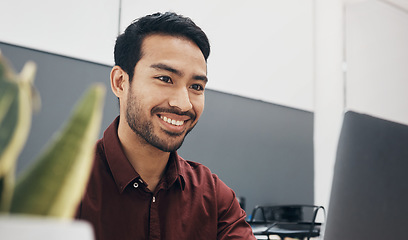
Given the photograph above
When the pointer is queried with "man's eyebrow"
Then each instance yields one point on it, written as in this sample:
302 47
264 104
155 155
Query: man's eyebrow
162 66
201 77
165 67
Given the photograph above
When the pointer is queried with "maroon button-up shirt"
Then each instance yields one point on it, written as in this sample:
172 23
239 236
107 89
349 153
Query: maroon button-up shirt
189 202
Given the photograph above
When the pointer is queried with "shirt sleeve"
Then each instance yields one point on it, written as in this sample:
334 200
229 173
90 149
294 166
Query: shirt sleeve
231 218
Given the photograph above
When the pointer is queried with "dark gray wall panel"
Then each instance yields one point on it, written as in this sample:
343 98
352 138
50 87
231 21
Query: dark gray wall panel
61 82
261 150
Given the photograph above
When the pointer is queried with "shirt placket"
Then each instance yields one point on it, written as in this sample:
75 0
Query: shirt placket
154 222
154 226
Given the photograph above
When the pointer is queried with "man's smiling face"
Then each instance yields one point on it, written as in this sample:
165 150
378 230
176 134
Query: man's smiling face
165 99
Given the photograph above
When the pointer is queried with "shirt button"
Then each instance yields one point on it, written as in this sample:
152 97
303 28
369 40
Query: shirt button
135 185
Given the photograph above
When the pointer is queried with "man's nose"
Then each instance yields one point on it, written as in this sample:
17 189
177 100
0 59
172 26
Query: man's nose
181 100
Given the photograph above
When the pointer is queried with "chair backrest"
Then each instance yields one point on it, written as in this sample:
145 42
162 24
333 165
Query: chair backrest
295 221
284 213
287 214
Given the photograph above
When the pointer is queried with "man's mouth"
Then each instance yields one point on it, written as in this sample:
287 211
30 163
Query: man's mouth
172 121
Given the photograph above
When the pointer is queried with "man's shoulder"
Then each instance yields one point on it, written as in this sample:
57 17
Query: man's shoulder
99 144
99 149
197 172
100 161
188 165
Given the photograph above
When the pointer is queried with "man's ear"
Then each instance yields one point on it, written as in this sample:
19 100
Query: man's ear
118 80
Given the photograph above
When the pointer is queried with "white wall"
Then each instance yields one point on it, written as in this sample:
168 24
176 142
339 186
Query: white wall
260 49
377 60
329 93
84 29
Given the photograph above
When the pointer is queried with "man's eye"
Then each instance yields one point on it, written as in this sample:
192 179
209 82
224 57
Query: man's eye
164 79
197 87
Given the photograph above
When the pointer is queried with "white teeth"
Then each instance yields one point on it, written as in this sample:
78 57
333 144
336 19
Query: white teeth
171 121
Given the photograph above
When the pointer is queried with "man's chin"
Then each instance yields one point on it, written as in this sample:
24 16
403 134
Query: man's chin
171 141
168 148
171 144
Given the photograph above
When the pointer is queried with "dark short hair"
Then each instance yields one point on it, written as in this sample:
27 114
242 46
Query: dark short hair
128 44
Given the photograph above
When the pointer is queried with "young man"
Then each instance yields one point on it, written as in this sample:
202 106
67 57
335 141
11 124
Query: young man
140 188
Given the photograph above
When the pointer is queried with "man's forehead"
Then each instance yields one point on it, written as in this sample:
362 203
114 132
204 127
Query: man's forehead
150 41
162 49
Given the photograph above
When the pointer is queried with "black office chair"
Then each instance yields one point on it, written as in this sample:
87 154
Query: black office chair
286 221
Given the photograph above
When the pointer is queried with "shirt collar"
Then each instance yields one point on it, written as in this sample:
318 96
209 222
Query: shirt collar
123 172
174 173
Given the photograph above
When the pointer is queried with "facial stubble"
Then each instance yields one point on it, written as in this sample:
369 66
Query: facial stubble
144 128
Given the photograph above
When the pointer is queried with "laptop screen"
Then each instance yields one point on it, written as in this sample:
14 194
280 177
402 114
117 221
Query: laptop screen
369 197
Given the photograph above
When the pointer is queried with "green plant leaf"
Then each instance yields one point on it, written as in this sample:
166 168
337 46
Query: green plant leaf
16 97
56 182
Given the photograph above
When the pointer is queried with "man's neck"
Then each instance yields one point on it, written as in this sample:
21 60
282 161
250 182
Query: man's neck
148 161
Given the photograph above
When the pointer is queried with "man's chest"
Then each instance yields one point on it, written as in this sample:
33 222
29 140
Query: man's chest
165 214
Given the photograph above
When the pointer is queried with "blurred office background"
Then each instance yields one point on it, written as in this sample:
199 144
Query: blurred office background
282 73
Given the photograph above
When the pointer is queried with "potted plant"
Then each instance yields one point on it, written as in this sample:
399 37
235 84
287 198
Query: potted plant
43 199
